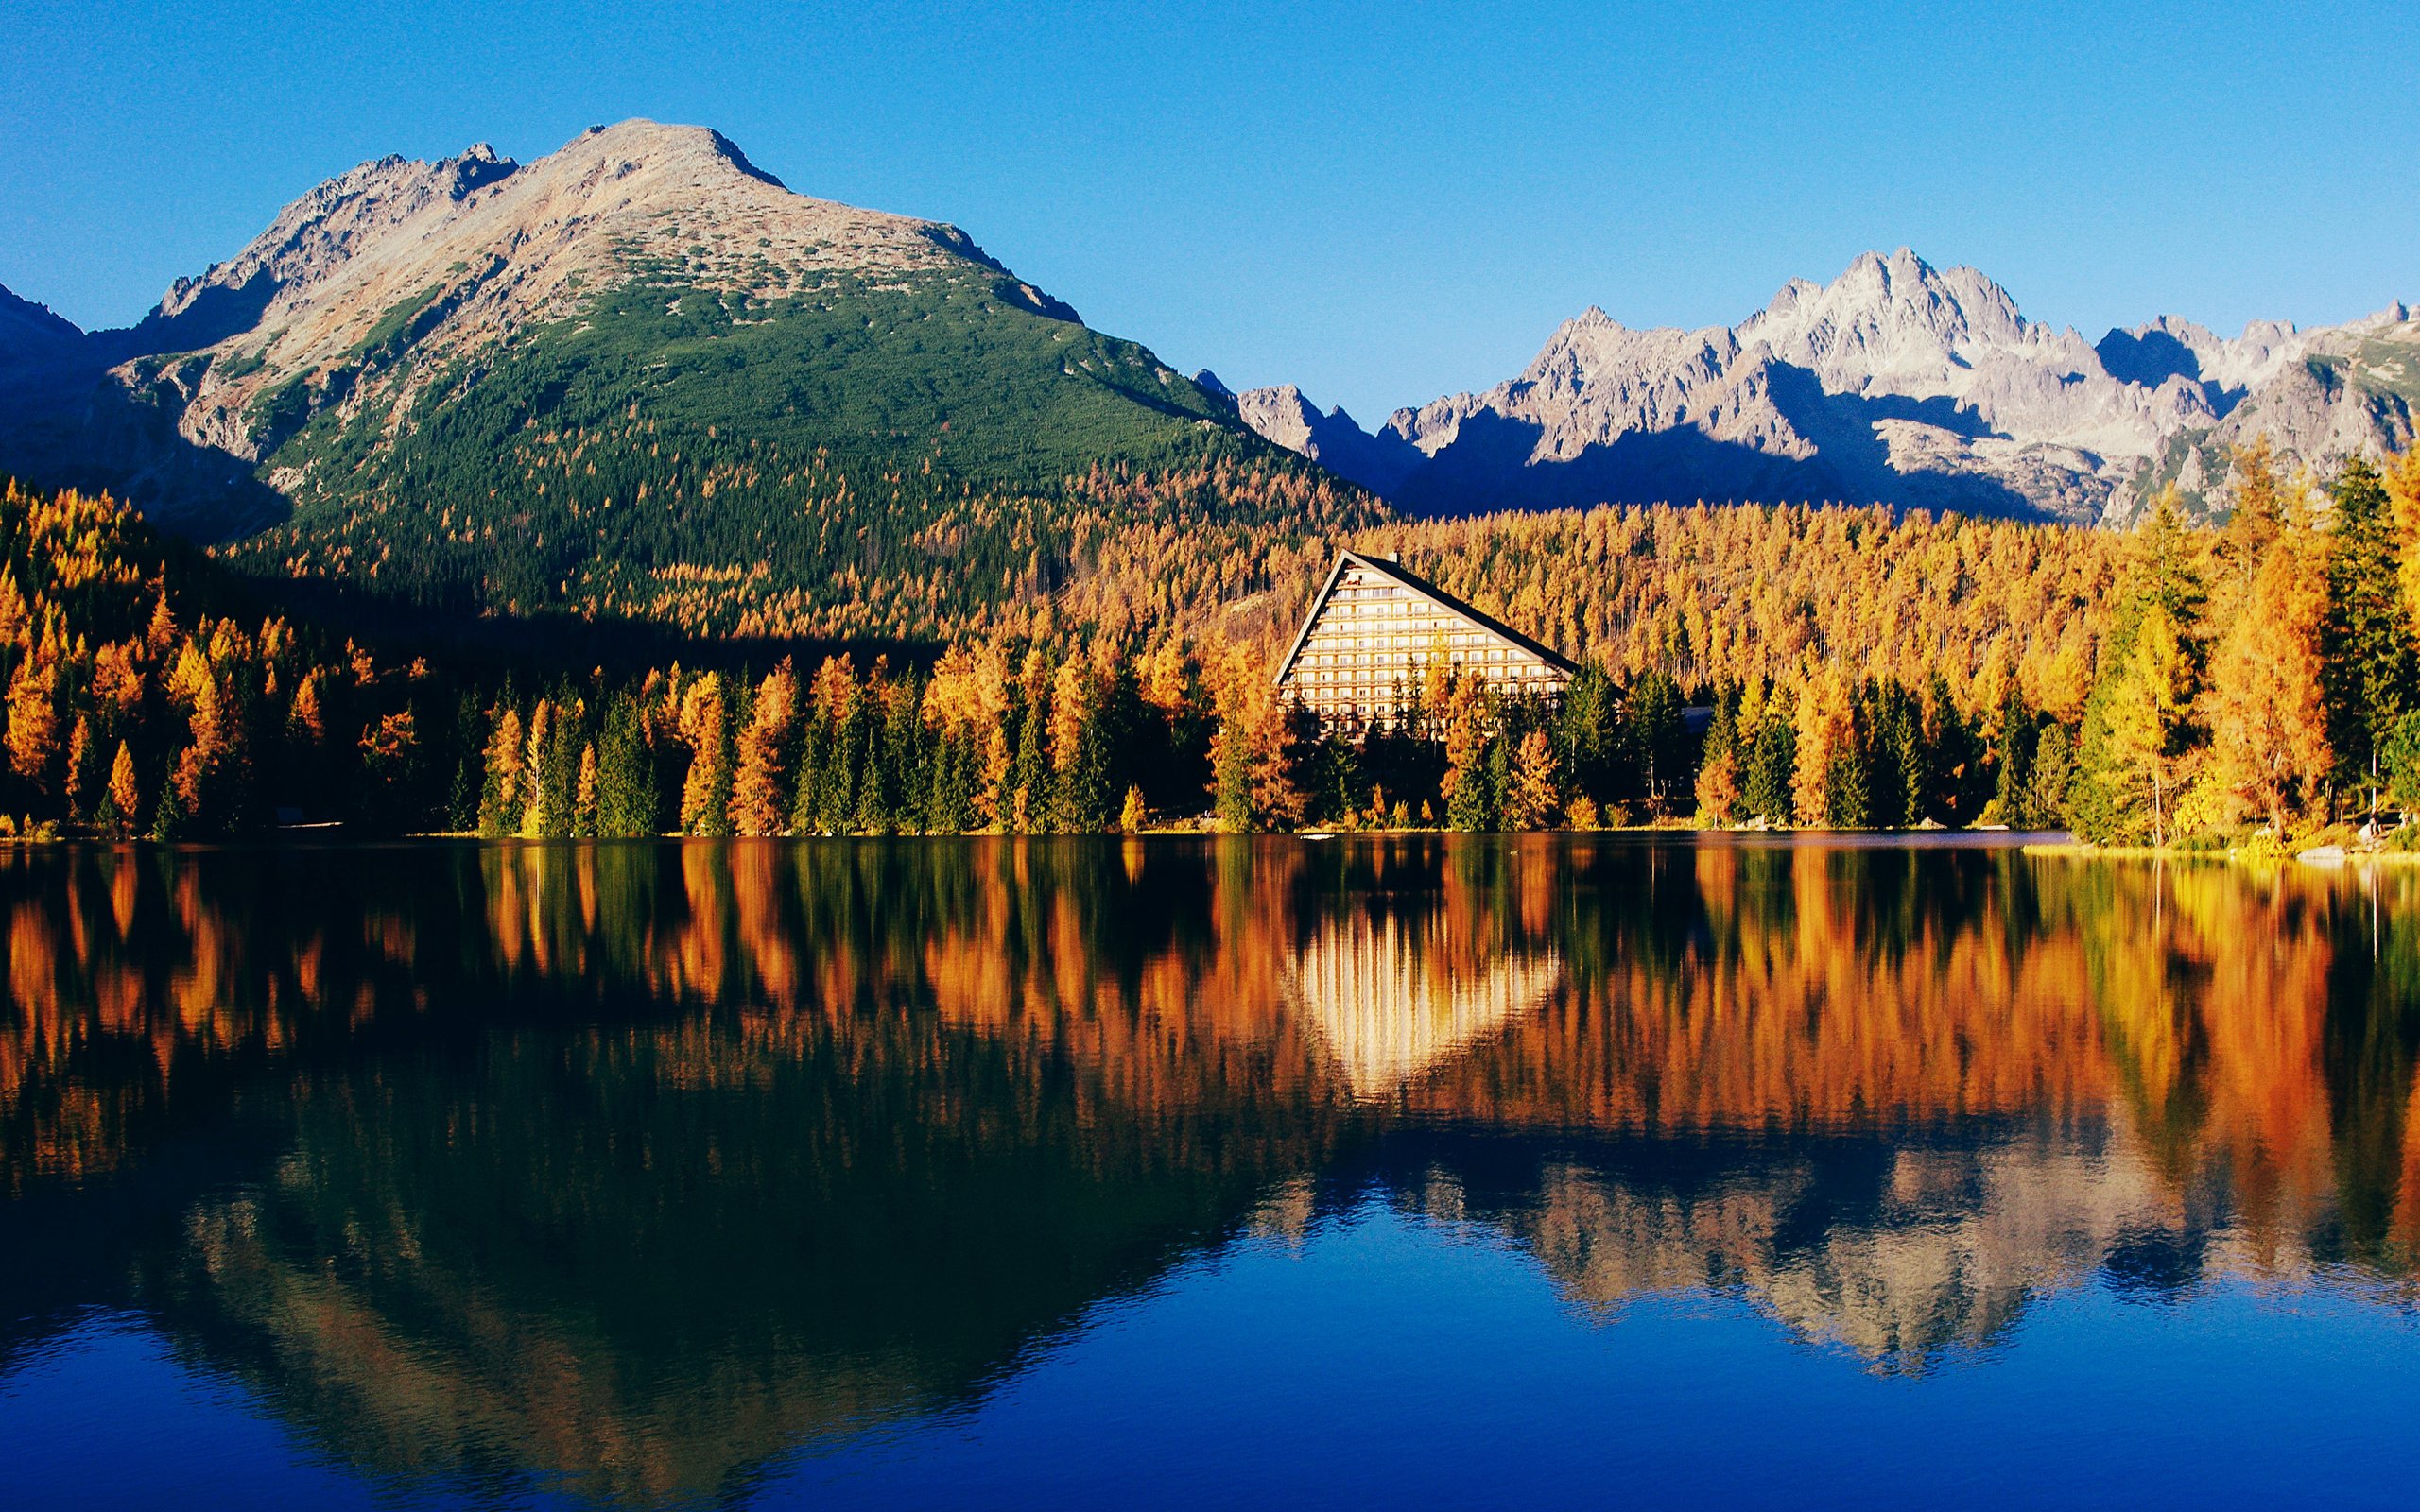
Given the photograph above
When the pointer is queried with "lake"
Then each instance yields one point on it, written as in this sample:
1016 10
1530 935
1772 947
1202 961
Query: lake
1414 1171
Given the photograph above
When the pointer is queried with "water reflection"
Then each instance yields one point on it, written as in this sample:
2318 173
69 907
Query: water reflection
630 1168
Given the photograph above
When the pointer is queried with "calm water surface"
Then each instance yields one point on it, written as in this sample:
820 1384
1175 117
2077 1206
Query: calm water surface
1200 1174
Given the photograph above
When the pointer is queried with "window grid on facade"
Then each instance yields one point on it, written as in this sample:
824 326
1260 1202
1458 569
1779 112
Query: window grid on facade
1375 629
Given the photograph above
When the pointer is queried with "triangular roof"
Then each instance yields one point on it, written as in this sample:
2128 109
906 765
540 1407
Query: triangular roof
1427 589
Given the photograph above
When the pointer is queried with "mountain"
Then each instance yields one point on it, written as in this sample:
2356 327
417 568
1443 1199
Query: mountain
1895 383
33 340
638 376
1334 439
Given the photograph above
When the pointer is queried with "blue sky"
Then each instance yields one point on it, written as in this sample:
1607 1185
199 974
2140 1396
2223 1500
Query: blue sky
1381 202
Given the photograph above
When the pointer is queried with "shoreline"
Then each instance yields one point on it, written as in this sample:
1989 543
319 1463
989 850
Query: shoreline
2321 856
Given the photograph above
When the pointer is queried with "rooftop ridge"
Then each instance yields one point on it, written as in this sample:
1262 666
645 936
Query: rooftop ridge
1364 655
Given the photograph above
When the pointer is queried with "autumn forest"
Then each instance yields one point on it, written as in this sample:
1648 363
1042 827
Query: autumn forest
2248 685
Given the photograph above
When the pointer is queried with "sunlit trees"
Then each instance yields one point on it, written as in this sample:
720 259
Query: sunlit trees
33 721
2142 712
1855 668
1252 751
761 786
1471 722
500 803
704 726
2138 744
2263 708
1827 782
1533 795
122 803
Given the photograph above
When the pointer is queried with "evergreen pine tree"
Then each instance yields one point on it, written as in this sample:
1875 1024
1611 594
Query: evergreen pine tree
1588 732
814 756
1233 799
905 753
1910 762
2367 672
1773 767
2046 780
2018 737
1658 741
462 794
626 780
1848 777
1032 778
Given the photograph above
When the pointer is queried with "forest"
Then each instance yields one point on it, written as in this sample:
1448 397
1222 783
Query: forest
2251 684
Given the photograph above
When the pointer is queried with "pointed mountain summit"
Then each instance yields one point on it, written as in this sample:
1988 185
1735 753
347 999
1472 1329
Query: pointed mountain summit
610 377
1896 382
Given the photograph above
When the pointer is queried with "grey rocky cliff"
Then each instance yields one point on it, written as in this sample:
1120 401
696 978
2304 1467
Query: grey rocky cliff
1334 439
1895 383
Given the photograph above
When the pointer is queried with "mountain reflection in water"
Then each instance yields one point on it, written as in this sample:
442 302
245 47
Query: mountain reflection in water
630 1168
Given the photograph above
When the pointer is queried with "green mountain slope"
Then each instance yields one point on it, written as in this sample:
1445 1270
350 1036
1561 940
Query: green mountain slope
677 452
640 379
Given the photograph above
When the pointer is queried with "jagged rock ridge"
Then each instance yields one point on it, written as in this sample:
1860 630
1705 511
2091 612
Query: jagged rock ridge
1334 439
1896 383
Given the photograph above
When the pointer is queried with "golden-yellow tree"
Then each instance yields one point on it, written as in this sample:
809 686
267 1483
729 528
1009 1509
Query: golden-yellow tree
1536 793
2269 748
758 804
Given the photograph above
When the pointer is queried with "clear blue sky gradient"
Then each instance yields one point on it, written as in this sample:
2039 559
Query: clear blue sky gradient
1381 202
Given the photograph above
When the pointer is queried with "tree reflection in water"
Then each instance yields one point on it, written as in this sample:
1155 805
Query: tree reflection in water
629 1167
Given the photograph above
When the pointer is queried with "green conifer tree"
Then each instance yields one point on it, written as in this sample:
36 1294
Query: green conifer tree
1588 733
1473 805
2367 670
1773 764
627 789
814 756
1030 777
1659 741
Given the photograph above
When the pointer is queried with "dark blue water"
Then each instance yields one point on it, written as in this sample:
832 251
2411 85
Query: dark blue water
1423 1172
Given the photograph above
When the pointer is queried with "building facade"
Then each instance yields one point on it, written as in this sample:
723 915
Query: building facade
1373 632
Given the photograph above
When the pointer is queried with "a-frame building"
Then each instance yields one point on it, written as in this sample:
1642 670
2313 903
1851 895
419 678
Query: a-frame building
1375 629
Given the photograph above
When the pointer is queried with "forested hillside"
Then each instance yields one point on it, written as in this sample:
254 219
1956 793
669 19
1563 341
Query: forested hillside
146 695
902 461
639 379
2170 686
1711 594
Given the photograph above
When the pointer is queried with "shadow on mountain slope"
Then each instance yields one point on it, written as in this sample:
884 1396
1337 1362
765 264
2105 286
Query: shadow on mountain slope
1490 465
82 430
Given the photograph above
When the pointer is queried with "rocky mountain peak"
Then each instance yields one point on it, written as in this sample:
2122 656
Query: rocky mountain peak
383 279
381 233
1888 317
1332 438
2395 313
1902 382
